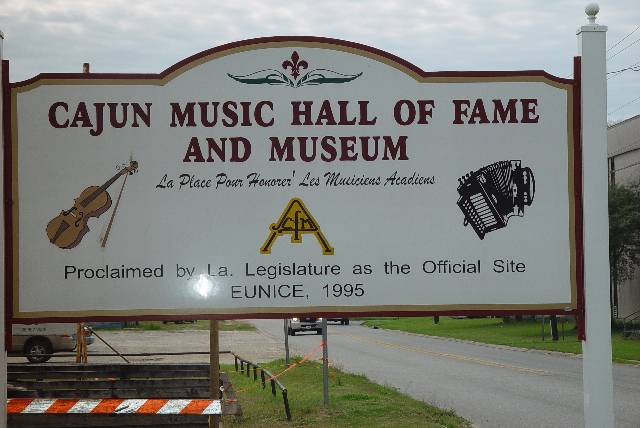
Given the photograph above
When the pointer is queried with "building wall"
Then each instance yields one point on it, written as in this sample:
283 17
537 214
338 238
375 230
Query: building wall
623 152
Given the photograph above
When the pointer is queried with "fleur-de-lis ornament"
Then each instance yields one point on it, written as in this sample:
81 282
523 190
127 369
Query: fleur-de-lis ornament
295 64
296 77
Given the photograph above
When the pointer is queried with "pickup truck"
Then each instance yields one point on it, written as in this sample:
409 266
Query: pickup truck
39 341
304 324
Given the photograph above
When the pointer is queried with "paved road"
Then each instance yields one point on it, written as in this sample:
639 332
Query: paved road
491 386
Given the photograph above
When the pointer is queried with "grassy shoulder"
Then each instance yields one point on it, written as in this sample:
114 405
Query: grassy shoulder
354 402
229 325
523 334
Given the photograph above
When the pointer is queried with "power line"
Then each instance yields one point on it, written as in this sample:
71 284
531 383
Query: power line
623 106
624 49
624 38
632 67
616 73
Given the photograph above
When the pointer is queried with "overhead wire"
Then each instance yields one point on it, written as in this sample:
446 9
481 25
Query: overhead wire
624 49
623 106
624 38
616 73
632 67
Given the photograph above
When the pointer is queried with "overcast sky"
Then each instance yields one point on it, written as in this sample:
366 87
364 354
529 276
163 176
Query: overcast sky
148 36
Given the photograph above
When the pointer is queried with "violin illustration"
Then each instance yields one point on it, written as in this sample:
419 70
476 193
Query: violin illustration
67 229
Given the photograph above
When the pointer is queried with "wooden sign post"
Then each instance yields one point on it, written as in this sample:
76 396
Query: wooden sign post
82 355
214 369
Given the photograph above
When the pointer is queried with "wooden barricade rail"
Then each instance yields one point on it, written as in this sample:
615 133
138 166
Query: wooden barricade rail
165 385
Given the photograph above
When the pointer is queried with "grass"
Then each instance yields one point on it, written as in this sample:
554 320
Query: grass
354 402
228 325
523 334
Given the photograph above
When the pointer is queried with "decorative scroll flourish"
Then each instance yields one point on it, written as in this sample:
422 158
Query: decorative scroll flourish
316 76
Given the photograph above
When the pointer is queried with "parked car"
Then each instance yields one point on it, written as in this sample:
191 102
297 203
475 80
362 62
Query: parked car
38 341
342 321
304 324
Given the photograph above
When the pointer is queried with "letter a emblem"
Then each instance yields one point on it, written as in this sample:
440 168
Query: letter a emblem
295 220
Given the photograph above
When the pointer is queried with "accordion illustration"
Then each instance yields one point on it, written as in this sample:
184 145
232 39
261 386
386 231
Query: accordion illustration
493 194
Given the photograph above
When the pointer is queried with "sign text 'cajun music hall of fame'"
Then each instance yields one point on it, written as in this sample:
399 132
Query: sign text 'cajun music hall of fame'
288 175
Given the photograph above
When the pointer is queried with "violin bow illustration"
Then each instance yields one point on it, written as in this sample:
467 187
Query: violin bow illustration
113 214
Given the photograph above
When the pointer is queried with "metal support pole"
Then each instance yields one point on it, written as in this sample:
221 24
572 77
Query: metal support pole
325 365
597 369
214 368
3 353
286 341
287 409
553 322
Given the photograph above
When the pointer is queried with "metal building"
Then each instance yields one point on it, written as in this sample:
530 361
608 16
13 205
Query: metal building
623 153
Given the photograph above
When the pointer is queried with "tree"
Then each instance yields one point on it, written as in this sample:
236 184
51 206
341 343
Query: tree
624 235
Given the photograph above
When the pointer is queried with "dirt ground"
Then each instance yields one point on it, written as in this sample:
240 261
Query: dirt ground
251 345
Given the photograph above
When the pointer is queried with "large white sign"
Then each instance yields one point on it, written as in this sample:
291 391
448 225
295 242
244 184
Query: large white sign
292 175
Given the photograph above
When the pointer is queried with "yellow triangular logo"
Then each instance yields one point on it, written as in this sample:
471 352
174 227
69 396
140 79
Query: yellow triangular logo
295 220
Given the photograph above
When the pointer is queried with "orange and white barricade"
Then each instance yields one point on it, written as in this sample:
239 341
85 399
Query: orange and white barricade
114 406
